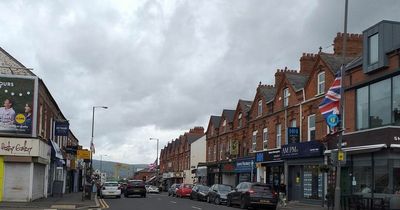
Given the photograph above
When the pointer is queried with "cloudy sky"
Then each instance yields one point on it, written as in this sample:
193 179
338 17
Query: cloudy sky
163 67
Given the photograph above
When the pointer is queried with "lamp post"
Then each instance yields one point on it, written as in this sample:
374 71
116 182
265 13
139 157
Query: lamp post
91 142
101 162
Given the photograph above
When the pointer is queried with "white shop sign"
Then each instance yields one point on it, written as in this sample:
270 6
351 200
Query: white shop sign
24 147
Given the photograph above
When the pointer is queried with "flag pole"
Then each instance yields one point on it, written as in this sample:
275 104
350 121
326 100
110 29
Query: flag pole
341 111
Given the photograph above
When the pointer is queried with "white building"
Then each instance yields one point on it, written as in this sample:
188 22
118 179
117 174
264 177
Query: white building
197 155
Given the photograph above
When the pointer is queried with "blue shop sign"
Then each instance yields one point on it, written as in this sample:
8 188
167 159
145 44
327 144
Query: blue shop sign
260 157
61 128
293 134
266 156
245 165
304 149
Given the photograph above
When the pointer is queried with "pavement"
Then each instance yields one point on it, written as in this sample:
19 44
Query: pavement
67 201
165 202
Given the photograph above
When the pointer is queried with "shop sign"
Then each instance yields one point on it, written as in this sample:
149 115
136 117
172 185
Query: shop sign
228 167
273 155
304 149
61 128
19 147
19 105
245 165
83 154
293 135
260 157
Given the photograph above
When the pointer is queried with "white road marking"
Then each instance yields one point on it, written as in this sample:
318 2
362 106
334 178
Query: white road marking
173 201
159 199
198 208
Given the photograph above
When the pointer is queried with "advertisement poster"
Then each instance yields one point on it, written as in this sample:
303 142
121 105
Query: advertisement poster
17 97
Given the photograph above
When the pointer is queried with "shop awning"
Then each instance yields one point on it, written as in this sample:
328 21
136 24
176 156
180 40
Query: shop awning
57 151
360 149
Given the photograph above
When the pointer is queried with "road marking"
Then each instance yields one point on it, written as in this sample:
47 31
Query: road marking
173 201
198 208
104 204
159 199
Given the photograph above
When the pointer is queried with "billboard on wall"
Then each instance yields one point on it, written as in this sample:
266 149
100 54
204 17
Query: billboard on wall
18 101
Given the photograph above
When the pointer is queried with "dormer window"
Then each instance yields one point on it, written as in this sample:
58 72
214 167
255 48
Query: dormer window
240 120
285 97
224 125
259 113
373 49
321 83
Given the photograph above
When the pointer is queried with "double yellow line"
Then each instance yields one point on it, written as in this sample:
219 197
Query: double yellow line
103 204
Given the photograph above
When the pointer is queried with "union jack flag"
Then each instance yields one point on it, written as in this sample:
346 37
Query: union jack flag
153 166
330 104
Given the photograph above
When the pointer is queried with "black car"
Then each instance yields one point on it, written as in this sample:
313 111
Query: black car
135 187
172 190
248 194
218 193
199 192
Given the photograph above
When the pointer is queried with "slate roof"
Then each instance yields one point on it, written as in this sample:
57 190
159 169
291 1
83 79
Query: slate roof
354 63
268 92
245 105
193 138
11 66
228 114
215 120
298 81
334 61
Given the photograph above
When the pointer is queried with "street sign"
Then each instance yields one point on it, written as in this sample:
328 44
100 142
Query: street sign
83 154
338 156
341 155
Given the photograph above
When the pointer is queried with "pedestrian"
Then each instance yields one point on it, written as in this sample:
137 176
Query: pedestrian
282 194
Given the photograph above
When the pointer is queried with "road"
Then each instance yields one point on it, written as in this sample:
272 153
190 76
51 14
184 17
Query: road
164 202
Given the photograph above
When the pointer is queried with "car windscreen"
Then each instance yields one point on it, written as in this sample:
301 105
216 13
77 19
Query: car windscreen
224 188
261 188
203 188
111 184
188 186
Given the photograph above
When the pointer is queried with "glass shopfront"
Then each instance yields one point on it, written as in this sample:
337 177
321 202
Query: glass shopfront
312 182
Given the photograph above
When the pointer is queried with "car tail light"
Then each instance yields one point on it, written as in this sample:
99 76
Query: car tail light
275 194
252 191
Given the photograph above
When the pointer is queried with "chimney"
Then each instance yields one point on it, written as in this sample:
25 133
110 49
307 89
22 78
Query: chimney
307 62
278 76
354 44
197 130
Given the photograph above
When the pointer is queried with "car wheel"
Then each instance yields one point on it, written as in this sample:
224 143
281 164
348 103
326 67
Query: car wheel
243 203
229 202
217 201
118 196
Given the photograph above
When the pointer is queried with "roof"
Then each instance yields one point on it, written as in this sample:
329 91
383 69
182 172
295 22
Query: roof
228 114
193 138
215 120
245 105
11 66
354 63
297 80
334 61
268 92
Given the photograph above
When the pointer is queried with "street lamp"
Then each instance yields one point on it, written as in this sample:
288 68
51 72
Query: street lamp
91 142
158 140
101 162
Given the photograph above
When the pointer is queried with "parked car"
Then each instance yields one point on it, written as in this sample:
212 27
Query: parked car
123 187
248 194
135 187
153 189
218 193
184 190
199 192
172 190
110 189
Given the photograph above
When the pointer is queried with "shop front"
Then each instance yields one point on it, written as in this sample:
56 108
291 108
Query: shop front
23 169
57 171
201 175
170 178
270 168
213 174
305 180
228 173
245 170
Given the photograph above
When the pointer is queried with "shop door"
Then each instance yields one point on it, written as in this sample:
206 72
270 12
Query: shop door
295 183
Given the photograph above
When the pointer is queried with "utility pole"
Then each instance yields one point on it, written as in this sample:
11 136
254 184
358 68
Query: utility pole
341 111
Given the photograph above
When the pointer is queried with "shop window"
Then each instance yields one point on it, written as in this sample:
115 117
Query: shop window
380 96
278 136
312 181
311 127
381 176
321 83
396 100
362 175
396 176
265 138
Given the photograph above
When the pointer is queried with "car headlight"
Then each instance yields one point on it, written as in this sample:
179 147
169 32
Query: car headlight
223 196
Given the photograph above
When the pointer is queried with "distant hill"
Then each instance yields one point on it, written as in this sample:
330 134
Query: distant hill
109 166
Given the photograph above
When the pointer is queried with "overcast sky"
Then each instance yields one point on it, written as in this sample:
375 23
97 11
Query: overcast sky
163 67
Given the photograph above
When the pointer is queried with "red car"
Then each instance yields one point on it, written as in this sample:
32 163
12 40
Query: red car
184 190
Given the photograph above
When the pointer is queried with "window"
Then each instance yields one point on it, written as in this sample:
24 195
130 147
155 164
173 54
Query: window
215 152
380 95
396 100
362 108
240 120
311 127
224 125
286 97
254 141
278 136
321 83
265 138
259 113
373 45
221 151
293 123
